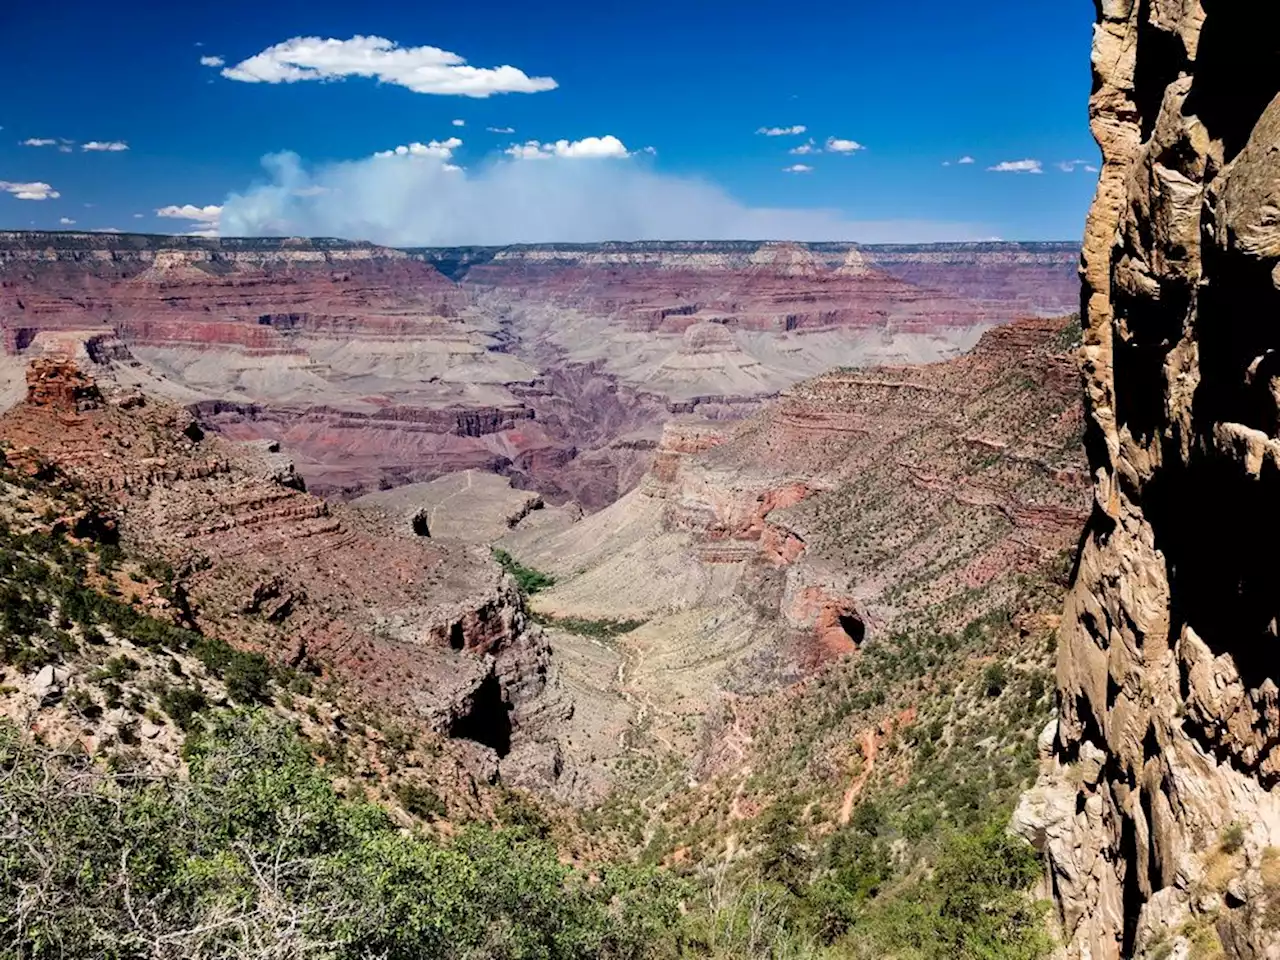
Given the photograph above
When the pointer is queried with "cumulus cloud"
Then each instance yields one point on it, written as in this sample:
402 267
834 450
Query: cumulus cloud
66 221
837 145
804 149
459 123
203 221
501 129
105 146
39 142
966 160
1018 166
783 131
212 62
443 149
419 201
420 69
29 191
586 148
798 168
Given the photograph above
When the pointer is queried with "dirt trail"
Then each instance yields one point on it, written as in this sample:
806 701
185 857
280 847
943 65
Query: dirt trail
870 749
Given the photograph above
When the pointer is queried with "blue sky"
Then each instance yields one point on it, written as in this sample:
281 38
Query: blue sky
912 85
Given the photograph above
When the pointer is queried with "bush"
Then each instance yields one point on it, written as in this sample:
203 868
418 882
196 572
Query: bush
255 852
995 679
529 581
182 704
421 801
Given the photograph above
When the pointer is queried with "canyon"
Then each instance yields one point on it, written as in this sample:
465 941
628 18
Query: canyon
556 366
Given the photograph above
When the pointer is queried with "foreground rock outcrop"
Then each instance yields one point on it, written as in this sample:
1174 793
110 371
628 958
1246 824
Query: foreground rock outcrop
1157 809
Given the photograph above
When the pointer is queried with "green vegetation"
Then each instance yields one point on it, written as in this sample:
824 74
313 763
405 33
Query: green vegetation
596 629
256 855
51 609
1072 335
253 850
529 580
256 849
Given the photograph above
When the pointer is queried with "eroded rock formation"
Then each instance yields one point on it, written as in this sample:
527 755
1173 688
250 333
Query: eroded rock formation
1157 807
431 631
555 366
859 505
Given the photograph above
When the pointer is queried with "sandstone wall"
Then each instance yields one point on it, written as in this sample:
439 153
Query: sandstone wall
1157 808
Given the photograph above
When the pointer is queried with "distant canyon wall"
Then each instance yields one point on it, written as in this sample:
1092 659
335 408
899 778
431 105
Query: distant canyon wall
554 365
1157 808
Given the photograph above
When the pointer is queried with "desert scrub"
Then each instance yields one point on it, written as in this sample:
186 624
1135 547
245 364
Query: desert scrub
255 849
596 629
529 580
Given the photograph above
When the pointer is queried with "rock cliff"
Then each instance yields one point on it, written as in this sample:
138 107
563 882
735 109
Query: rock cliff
430 631
1157 807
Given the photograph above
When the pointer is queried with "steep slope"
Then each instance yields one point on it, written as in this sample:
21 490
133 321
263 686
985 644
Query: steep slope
430 632
859 506
1158 813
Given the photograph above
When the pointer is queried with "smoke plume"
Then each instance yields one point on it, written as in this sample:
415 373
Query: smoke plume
426 200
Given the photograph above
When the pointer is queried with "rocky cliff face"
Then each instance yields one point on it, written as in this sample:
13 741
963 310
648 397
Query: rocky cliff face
430 631
1157 809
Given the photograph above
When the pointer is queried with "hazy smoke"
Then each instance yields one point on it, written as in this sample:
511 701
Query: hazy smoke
425 201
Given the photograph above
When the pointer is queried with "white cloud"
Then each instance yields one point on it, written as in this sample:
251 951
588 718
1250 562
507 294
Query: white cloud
503 201
783 131
204 221
804 149
66 221
420 69
459 123
39 142
798 168
138 216
1018 166
212 62
105 146
30 191
108 230
1070 166
965 160
443 149
836 145
501 129
586 148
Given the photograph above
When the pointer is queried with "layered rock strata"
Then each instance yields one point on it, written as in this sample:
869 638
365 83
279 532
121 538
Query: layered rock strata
432 631
555 366
1157 809
859 504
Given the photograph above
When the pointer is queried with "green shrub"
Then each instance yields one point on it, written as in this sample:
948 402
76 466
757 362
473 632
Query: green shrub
421 801
529 581
182 704
255 851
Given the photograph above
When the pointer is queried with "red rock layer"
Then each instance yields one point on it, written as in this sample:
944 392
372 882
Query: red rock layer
414 626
